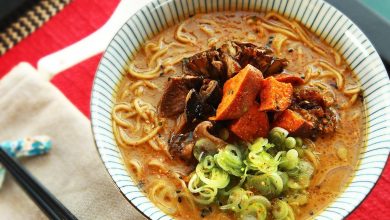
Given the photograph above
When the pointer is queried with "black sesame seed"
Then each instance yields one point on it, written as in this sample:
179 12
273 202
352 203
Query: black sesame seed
205 212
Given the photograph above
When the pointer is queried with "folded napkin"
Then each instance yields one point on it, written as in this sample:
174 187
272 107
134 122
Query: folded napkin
26 147
72 170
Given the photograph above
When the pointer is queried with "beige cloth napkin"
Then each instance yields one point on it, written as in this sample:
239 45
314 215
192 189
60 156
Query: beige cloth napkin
72 171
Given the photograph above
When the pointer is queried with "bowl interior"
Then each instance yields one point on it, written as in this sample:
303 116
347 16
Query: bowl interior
318 16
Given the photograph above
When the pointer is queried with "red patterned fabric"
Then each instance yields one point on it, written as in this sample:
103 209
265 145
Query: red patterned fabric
82 17
76 21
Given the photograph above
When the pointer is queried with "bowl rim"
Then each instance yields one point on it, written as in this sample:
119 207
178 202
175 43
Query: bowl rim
155 3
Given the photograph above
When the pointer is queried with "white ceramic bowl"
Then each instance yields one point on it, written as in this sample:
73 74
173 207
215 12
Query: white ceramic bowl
318 16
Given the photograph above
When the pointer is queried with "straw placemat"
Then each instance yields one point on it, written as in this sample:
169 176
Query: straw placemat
26 20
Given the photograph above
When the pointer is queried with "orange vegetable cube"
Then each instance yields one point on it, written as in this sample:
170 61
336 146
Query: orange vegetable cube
239 93
275 95
293 122
254 123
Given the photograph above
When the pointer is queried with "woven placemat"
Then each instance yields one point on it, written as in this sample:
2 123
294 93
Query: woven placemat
27 20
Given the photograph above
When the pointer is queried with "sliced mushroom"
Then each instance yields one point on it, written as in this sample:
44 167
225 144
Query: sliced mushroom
173 100
224 62
277 65
251 54
196 109
181 124
218 65
211 92
228 51
260 57
181 146
232 66
203 131
201 141
203 147
206 143
206 64
228 48
198 63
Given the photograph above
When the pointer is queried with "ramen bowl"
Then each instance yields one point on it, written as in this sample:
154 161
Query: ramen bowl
318 16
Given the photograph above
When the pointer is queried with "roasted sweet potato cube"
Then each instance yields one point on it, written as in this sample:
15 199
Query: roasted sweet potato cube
294 123
254 123
275 95
239 93
294 79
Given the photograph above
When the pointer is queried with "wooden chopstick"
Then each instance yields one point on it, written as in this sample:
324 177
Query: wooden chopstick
53 208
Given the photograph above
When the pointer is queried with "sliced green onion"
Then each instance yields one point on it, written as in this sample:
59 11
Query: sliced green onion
203 194
306 168
262 162
257 199
203 146
299 142
237 195
208 162
215 177
300 151
293 173
290 160
298 198
258 145
284 177
301 175
290 143
282 211
293 184
269 185
254 211
277 136
263 171
229 159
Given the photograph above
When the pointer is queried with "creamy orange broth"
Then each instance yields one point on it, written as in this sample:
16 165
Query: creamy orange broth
233 26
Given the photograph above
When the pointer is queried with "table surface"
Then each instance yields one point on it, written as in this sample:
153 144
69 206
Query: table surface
382 7
82 17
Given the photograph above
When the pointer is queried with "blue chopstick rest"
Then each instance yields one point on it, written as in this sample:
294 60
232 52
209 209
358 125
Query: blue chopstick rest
26 147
